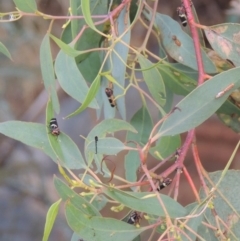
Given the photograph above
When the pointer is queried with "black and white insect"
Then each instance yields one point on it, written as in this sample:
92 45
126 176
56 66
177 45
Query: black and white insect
166 182
96 140
109 93
53 126
134 218
181 11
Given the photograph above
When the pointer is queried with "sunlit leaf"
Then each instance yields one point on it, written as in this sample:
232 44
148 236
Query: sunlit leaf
50 219
89 98
28 6
201 103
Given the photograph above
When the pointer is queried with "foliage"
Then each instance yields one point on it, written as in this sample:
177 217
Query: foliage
98 66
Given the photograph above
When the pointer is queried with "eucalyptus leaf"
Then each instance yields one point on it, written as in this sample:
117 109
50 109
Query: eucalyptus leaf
99 228
47 69
201 103
28 6
5 51
50 219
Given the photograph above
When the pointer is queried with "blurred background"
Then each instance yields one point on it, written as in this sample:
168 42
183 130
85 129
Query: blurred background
26 174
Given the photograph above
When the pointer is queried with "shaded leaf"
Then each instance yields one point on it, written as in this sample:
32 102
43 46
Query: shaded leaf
66 193
176 80
166 146
64 147
226 204
147 202
153 80
142 122
99 228
47 70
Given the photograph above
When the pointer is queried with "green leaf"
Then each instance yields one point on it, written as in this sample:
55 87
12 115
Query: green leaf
192 225
90 38
142 122
225 201
89 98
90 66
31 134
5 51
67 49
200 104
147 202
177 43
98 228
109 126
87 14
66 193
153 80
107 146
225 40
176 80
28 6
118 59
166 146
47 69
70 79
50 219
66 150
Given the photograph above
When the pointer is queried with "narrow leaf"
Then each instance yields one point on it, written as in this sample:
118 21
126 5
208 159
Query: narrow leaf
87 14
142 121
28 6
70 78
147 202
50 219
47 69
67 49
89 98
153 80
5 51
